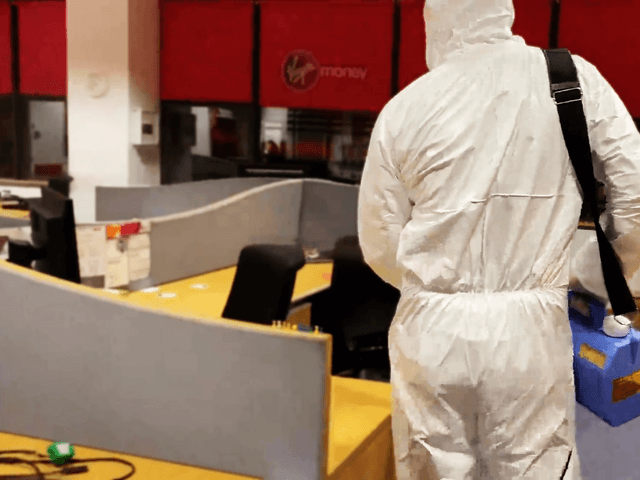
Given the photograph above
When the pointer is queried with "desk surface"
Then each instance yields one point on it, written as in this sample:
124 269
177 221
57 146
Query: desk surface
145 468
205 296
10 213
359 409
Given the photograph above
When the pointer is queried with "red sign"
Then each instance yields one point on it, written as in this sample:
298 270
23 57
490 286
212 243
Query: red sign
43 48
413 43
326 55
6 82
613 39
206 51
532 22
300 71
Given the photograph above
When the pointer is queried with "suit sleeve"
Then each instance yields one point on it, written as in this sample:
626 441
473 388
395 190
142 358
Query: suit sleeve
615 142
383 206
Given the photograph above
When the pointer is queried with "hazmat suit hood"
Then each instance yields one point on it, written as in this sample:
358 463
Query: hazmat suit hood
453 25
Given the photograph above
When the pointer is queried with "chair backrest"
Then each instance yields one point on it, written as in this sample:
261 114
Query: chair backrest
364 302
263 284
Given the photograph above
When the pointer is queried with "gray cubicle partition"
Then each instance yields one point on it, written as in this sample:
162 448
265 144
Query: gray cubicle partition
94 371
310 212
211 238
125 203
7 222
329 211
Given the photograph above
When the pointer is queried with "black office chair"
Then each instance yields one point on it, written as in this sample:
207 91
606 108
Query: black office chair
61 184
263 284
361 308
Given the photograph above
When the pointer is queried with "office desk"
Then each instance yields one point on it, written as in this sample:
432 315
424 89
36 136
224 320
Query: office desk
360 427
146 469
359 411
205 296
359 443
10 213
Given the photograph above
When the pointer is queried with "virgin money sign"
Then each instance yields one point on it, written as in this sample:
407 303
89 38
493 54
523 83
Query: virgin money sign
303 66
301 71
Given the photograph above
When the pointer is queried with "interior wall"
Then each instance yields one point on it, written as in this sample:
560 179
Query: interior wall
47 132
203 128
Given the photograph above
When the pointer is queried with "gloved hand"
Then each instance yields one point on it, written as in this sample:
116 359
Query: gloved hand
616 326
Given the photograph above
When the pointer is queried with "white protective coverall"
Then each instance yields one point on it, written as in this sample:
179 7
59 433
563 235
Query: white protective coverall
468 204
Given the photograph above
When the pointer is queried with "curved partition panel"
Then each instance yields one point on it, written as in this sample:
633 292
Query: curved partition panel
125 203
95 371
211 238
328 212
9 222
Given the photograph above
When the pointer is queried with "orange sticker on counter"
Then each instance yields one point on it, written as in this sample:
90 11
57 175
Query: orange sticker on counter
113 231
116 231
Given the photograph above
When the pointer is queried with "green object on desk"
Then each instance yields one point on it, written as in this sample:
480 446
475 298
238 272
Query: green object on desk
60 453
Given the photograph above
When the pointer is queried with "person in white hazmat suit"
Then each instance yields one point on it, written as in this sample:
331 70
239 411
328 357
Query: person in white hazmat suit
468 204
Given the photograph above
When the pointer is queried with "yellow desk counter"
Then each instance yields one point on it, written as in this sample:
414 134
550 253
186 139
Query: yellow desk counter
205 296
145 469
360 445
11 213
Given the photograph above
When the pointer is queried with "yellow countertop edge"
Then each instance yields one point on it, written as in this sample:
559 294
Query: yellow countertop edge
384 425
98 453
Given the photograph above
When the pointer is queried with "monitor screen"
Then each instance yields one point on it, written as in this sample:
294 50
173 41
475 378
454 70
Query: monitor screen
53 249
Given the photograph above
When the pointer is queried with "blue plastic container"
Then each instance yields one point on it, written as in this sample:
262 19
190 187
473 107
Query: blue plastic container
607 370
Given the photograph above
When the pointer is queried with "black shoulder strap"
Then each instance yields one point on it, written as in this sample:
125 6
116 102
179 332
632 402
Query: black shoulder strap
567 95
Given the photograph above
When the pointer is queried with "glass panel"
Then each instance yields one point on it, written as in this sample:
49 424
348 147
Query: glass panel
47 138
7 139
200 142
336 138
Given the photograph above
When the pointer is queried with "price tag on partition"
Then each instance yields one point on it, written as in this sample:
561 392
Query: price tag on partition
127 229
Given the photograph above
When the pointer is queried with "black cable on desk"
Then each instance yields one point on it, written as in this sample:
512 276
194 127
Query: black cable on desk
15 461
117 460
22 452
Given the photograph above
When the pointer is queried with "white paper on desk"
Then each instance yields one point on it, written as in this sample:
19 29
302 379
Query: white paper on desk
92 250
117 274
139 256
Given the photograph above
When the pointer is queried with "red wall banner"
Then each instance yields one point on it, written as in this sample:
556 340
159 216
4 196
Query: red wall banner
607 34
206 51
325 54
413 43
6 57
43 48
532 22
